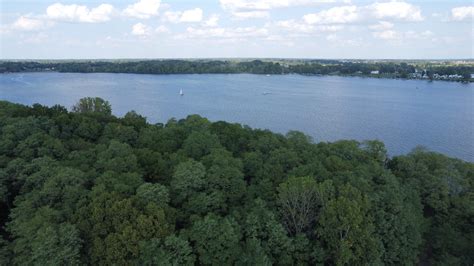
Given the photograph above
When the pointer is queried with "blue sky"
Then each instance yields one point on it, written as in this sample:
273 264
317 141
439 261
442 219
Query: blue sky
371 29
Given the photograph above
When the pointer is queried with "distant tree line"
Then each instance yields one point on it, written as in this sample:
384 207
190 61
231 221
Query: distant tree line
84 187
305 67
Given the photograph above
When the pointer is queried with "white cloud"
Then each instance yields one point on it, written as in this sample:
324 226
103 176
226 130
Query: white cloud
386 35
143 9
172 16
396 10
297 27
79 13
332 37
235 5
141 29
293 26
382 25
243 9
29 24
162 29
191 15
328 28
282 40
335 15
341 42
462 13
419 35
225 33
251 14
212 21
407 35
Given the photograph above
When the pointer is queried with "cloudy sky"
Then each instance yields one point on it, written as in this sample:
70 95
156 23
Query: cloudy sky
370 29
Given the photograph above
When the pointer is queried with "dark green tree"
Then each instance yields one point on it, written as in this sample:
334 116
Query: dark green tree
92 105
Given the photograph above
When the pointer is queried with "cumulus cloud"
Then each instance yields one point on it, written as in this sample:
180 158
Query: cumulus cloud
335 15
172 16
386 35
141 30
251 14
143 9
212 21
162 29
338 41
29 24
396 10
294 26
243 9
407 35
298 27
79 13
462 13
225 33
382 25
191 15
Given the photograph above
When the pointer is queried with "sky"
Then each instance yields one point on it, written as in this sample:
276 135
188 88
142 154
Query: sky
337 29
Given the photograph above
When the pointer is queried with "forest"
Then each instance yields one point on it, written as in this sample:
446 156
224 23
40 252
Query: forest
305 67
81 186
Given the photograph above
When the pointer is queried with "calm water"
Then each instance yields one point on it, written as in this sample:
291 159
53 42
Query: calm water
402 113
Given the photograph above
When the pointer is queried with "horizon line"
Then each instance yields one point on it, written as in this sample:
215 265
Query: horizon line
236 58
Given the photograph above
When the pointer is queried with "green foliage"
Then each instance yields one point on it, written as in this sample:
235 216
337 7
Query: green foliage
216 240
261 224
92 105
199 144
56 246
118 157
347 229
172 250
253 254
87 188
155 193
187 180
5 253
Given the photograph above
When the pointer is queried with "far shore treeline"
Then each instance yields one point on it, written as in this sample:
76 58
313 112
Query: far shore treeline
429 70
84 187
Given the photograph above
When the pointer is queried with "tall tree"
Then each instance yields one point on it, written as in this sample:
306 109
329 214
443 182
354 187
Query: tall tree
92 105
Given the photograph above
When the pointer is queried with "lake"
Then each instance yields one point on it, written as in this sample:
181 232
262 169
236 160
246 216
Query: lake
401 113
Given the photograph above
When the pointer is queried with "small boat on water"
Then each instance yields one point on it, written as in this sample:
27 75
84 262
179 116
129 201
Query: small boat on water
181 92
266 93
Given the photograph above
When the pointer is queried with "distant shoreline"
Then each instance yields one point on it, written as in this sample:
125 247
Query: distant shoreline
457 71
299 74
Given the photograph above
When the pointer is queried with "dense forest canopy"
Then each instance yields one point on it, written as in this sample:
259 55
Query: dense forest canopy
388 69
84 187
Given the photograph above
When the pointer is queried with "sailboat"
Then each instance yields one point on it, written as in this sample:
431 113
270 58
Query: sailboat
181 92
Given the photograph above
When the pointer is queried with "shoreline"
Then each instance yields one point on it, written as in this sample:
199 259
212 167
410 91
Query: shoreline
249 73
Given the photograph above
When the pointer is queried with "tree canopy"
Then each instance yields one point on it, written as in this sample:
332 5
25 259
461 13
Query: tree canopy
85 188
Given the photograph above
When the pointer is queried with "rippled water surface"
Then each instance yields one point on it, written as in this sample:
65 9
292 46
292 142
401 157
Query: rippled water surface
401 113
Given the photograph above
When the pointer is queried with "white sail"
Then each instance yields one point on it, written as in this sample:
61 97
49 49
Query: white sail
181 92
